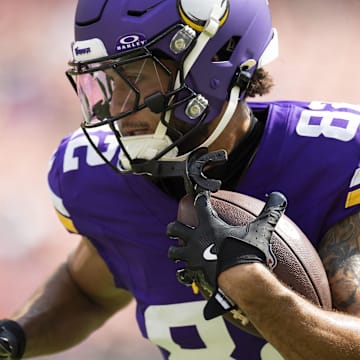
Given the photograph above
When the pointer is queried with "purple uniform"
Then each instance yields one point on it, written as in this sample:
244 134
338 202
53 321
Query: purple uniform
309 151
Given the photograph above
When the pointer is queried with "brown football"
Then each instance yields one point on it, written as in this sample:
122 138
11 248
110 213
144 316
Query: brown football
298 263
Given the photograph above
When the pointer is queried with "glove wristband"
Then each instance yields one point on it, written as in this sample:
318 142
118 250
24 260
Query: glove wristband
14 333
234 252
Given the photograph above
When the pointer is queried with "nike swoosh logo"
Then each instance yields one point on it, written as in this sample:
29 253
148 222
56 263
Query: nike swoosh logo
208 255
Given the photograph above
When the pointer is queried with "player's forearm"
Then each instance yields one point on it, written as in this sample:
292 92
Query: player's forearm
295 327
58 316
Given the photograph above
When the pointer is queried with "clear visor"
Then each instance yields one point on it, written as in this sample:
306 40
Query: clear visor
111 90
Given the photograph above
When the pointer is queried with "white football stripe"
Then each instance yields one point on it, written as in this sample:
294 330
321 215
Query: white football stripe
58 204
356 178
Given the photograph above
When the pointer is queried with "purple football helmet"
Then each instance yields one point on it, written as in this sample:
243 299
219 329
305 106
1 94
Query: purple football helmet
177 61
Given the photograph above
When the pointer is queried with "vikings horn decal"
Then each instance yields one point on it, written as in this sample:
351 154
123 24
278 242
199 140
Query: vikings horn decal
196 13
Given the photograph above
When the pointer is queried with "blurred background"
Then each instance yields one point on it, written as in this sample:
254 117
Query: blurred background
318 61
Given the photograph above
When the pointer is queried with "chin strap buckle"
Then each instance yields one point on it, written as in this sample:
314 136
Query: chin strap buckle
191 169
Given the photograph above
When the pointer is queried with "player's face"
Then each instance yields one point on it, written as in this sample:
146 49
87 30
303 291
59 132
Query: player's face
132 84
137 81
119 91
148 78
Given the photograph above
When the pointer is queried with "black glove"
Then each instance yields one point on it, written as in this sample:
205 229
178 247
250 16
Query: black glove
201 244
235 245
12 340
256 245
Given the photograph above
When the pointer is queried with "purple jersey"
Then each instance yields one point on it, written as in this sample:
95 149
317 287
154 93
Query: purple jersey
309 151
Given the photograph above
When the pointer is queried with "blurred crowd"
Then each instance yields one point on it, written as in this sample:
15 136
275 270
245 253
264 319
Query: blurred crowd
318 59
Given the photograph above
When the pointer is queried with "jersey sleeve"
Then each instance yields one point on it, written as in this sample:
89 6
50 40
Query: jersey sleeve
311 153
54 183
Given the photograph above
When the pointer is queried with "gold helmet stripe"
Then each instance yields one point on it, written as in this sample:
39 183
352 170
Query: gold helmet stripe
197 26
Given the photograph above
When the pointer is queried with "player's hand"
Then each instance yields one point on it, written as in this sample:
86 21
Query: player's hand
214 246
233 252
255 245
12 340
201 244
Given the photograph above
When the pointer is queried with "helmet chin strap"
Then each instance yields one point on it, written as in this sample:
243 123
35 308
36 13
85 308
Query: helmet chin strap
148 146
224 121
211 27
145 147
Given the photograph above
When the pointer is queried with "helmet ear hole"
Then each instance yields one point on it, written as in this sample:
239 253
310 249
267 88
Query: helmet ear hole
196 13
225 52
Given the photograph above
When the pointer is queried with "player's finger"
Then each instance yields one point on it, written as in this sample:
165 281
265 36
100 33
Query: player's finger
178 230
264 224
178 253
275 206
203 206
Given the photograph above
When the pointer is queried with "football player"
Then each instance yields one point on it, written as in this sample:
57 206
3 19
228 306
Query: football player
157 80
